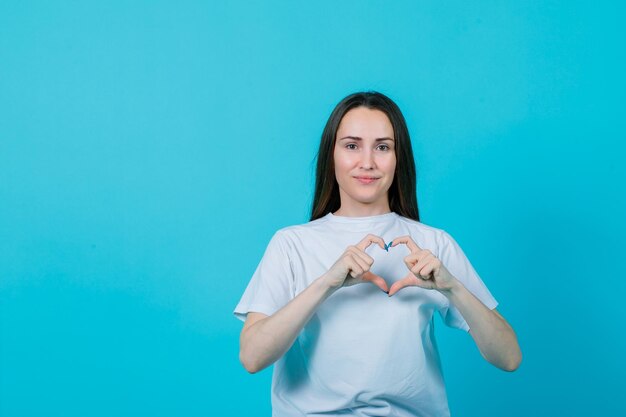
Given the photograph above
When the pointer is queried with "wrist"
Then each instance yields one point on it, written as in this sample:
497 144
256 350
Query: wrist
453 290
323 284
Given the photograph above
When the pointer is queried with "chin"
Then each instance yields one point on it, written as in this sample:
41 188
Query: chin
366 199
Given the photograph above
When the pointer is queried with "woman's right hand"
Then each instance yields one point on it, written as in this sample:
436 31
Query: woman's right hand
264 338
353 266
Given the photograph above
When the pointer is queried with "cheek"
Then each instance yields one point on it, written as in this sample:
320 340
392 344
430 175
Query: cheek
339 169
389 164
342 161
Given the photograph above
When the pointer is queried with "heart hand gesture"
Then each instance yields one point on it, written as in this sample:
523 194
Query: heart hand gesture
426 270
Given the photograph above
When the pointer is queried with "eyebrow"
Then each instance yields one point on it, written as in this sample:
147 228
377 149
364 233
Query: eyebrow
358 138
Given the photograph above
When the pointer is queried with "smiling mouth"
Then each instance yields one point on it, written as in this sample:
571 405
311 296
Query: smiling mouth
366 180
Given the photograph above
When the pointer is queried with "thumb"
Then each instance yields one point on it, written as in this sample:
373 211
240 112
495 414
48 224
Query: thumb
407 281
376 280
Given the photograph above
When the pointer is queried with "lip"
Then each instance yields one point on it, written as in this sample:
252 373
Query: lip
366 180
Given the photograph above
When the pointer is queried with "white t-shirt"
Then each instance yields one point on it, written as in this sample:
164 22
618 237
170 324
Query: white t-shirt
362 353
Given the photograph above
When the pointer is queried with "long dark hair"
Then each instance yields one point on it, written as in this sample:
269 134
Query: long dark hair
402 193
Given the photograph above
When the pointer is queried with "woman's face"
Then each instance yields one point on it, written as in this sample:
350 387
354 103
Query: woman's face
365 159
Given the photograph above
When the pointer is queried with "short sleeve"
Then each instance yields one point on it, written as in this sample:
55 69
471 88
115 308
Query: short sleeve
454 259
271 285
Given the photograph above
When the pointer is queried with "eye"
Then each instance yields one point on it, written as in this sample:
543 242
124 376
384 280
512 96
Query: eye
386 147
351 144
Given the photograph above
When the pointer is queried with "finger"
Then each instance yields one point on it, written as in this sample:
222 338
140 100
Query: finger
376 280
418 271
427 270
424 258
368 240
431 268
415 257
362 255
421 254
409 280
365 266
408 242
354 269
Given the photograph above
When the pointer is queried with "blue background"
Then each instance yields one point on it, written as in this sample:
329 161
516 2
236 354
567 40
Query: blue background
149 150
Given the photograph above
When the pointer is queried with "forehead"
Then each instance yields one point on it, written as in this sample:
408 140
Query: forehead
365 123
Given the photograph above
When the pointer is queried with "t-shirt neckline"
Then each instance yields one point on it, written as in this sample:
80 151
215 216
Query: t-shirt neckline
366 219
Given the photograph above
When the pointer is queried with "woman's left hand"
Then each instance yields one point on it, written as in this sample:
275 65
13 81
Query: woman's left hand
494 337
426 270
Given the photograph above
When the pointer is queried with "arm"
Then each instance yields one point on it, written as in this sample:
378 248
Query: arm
494 337
265 338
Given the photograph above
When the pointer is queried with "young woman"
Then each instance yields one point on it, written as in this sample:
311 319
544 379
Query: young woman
345 349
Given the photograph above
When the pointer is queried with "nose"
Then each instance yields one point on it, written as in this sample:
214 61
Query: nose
367 160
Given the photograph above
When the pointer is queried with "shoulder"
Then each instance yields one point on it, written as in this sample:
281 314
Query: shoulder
437 239
425 230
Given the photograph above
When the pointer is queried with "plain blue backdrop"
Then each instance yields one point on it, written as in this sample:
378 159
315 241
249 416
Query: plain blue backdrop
149 150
